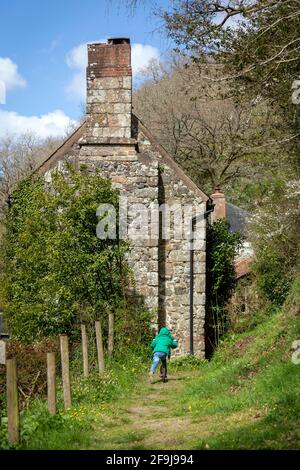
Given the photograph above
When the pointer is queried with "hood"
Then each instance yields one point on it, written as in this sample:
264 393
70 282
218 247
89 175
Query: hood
164 332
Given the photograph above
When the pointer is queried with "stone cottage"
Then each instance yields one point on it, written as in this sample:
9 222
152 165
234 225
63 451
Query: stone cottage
164 211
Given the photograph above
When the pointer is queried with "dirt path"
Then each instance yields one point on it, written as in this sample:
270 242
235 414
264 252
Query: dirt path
150 419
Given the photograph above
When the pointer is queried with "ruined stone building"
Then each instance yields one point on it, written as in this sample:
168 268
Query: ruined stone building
169 269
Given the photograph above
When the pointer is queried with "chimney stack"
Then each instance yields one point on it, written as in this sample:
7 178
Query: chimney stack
109 91
218 198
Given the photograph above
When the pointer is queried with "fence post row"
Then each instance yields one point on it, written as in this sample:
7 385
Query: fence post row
11 374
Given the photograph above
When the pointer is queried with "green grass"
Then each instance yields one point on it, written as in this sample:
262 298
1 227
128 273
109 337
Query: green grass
251 387
246 397
91 398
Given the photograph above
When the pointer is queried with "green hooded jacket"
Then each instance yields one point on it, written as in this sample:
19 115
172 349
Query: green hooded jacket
163 342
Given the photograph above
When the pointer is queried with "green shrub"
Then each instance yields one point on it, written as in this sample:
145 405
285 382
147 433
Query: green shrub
274 273
57 271
222 246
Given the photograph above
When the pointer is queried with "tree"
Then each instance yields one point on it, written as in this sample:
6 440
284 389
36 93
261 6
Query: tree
57 272
19 156
219 140
256 44
256 41
274 234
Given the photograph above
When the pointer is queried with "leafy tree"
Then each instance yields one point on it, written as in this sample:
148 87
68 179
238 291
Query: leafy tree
274 234
57 272
256 46
257 42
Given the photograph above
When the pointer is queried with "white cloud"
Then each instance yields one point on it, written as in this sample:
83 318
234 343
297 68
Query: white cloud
76 88
9 74
77 57
53 124
76 60
141 55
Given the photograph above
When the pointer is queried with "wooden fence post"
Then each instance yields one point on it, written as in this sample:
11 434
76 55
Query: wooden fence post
85 351
51 383
99 346
2 353
12 401
110 334
64 350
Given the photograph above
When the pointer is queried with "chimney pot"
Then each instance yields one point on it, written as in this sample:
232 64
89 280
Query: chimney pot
115 41
219 201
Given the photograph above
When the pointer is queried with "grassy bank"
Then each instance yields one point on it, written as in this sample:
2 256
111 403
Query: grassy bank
246 397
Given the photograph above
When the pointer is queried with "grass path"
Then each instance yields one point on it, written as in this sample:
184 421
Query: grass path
160 416
154 417
149 418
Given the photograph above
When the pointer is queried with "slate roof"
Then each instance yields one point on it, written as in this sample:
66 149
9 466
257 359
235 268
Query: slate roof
237 218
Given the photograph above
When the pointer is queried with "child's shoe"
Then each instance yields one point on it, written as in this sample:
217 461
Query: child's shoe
151 377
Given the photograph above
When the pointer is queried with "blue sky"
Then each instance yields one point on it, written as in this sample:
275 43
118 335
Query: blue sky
42 55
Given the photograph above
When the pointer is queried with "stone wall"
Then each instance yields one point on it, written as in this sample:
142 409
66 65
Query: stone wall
161 266
138 183
174 257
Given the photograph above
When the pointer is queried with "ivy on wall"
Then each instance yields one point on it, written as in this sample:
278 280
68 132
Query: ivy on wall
222 247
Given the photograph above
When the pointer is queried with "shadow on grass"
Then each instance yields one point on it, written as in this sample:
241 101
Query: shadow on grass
170 380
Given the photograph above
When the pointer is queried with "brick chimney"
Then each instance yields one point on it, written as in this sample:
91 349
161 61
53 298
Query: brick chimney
109 90
218 198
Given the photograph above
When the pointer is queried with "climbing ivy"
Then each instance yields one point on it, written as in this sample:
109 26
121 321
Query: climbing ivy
222 247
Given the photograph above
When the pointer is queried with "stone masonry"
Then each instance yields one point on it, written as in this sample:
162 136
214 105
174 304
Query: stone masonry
169 277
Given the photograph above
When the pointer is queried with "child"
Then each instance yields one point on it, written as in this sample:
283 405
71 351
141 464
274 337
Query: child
161 346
